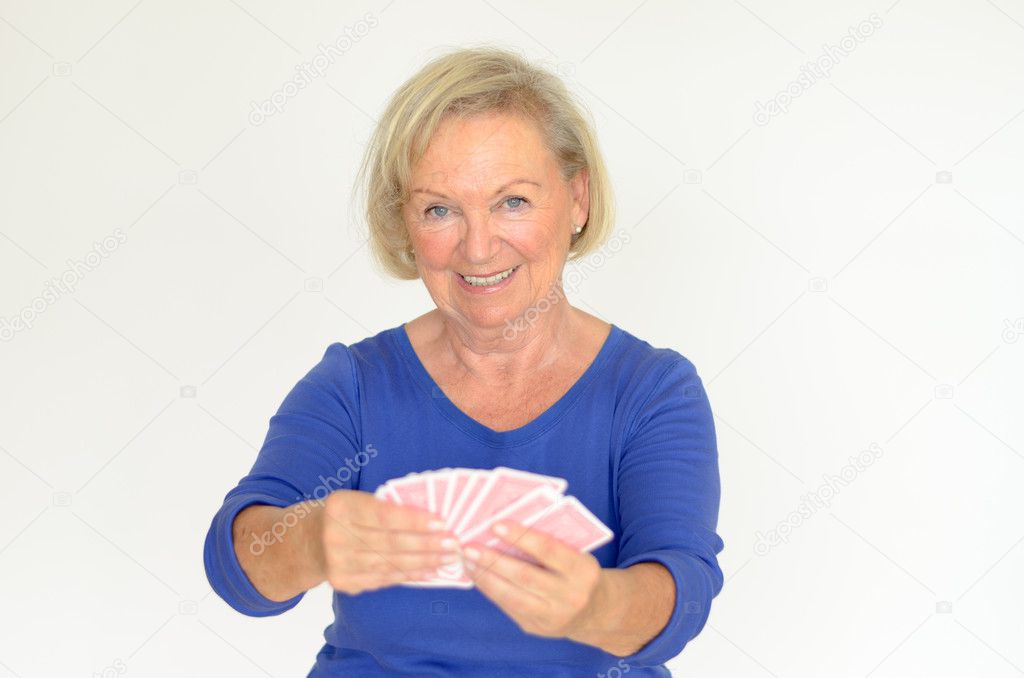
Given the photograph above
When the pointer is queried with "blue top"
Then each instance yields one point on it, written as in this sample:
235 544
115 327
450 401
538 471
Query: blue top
634 438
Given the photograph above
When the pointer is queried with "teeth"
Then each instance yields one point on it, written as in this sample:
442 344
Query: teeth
482 282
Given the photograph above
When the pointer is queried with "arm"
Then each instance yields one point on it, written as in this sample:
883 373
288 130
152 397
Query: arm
657 597
668 494
280 569
305 456
630 607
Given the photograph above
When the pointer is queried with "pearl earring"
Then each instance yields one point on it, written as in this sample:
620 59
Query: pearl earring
578 229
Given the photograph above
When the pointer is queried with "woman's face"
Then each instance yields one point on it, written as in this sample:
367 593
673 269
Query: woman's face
487 197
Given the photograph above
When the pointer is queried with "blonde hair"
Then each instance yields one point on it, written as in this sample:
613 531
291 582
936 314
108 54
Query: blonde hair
464 83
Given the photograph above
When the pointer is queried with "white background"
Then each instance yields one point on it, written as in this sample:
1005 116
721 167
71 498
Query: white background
834 290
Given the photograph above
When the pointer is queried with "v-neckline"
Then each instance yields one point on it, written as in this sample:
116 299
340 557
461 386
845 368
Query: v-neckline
482 432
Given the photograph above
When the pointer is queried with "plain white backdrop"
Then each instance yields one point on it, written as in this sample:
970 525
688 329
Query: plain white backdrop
841 256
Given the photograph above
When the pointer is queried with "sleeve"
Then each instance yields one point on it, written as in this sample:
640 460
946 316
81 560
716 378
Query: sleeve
668 496
311 449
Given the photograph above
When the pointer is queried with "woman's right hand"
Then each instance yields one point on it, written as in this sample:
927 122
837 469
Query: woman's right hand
368 543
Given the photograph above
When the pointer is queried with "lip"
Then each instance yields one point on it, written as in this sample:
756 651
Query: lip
487 275
474 289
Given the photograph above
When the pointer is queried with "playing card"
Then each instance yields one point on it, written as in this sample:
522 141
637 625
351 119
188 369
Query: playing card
534 501
438 484
410 490
470 501
421 490
455 573
503 486
429 480
462 583
474 480
529 505
570 522
386 492
456 483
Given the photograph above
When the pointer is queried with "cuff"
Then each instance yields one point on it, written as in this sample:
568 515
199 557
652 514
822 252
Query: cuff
695 588
223 570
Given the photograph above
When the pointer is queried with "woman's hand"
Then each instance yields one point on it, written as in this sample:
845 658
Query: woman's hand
368 544
554 599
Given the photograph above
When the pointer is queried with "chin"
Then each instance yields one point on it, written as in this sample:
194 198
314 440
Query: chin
494 317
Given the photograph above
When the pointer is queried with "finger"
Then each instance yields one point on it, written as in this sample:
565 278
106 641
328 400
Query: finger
366 566
399 541
507 594
375 562
553 553
362 508
387 516
530 578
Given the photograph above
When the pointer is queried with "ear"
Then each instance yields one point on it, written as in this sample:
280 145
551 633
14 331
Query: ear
579 186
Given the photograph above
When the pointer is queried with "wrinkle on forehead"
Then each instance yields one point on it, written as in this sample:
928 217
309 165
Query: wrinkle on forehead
475 156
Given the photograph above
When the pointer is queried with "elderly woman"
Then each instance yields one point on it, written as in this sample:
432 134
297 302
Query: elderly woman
483 178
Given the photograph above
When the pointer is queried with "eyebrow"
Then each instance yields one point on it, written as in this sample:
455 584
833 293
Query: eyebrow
502 188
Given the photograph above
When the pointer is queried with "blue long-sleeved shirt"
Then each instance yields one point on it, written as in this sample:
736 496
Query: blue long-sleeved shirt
634 437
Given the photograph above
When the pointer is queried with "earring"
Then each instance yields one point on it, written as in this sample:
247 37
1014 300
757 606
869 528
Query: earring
578 229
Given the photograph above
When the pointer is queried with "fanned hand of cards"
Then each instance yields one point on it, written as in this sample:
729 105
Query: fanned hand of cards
470 501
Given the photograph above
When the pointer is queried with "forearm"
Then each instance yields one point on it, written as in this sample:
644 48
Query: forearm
282 556
629 608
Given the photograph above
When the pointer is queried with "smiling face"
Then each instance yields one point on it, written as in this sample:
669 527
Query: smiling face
488 197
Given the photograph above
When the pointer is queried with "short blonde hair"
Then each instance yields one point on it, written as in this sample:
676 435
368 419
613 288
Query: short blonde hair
464 83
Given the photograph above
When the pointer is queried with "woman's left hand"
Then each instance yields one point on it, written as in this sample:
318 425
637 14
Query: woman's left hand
555 599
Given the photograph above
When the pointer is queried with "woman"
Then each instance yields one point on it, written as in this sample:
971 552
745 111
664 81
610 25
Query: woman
483 179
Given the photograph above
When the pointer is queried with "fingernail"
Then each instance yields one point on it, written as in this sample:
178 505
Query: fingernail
450 558
435 525
500 529
449 544
471 553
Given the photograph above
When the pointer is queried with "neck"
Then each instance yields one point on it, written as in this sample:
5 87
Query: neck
511 353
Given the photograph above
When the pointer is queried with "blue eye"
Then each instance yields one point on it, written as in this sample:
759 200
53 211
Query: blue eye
517 205
432 213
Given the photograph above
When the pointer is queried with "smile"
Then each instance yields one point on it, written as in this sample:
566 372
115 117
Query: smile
487 281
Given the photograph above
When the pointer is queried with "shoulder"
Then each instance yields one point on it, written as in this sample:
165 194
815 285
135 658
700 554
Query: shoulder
341 366
650 367
377 361
656 381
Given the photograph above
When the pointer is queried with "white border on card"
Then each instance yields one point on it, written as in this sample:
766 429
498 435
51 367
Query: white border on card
433 498
428 479
467 516
454 476
473 481
436 584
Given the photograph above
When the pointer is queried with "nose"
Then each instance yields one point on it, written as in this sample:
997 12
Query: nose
480 239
